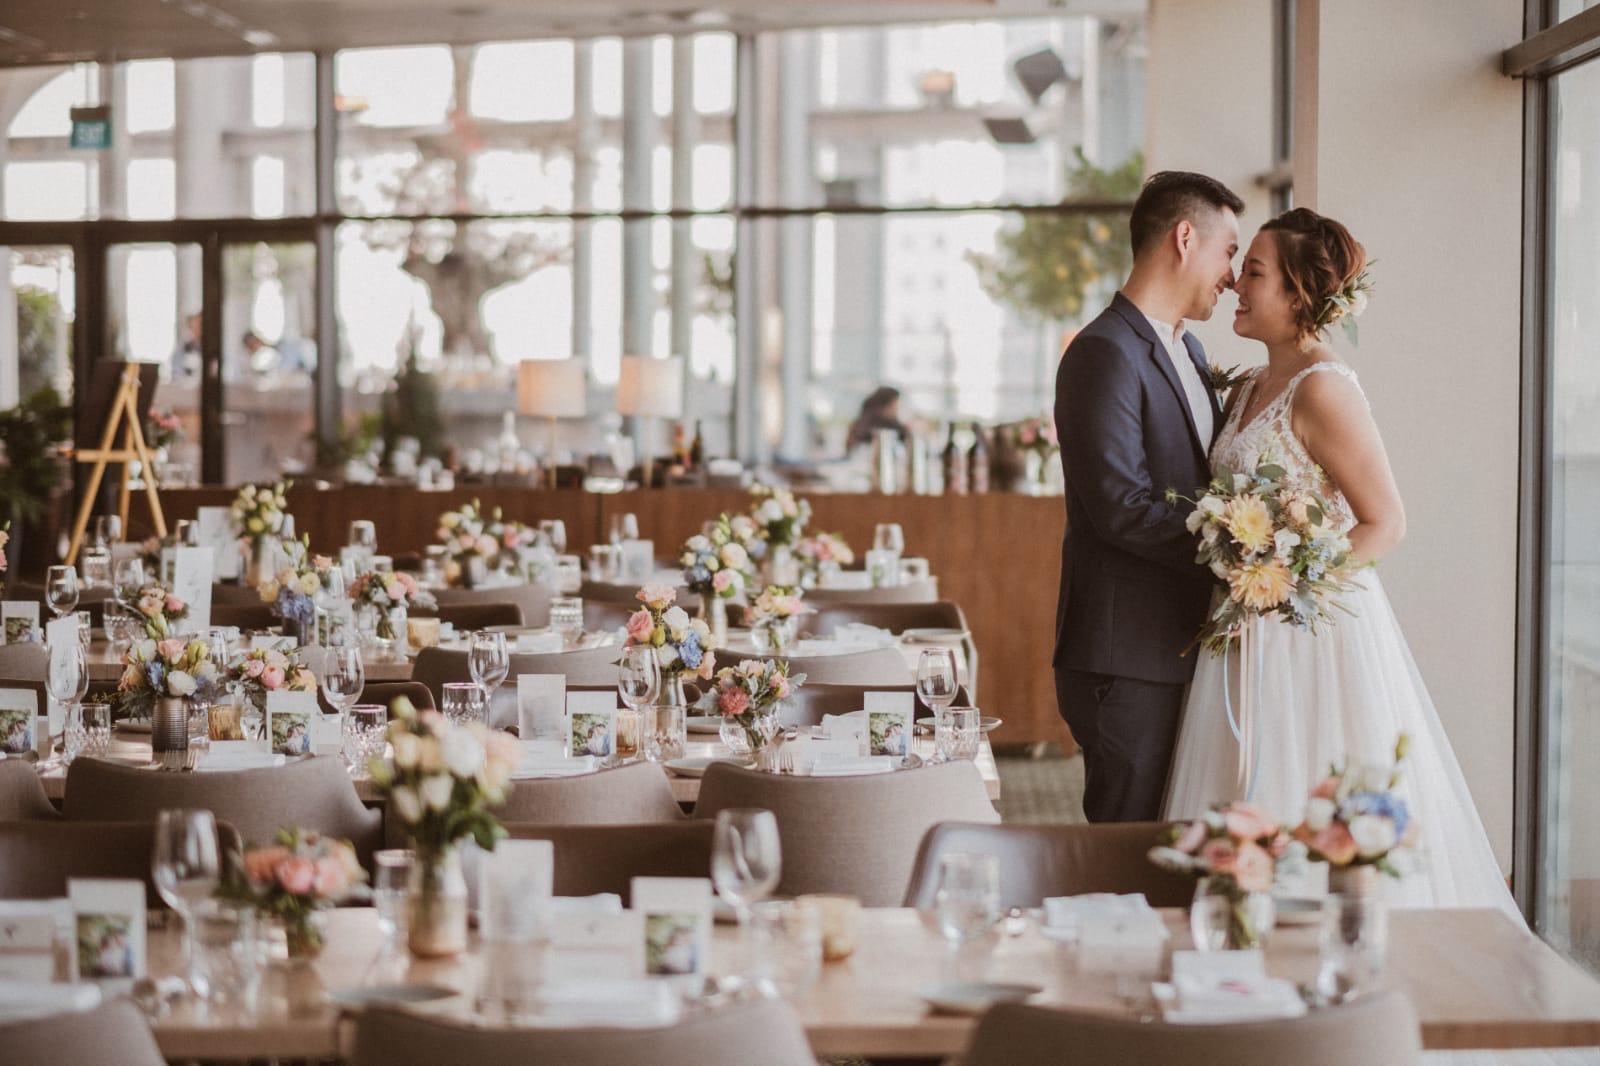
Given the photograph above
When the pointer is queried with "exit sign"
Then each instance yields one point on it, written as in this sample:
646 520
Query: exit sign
91 127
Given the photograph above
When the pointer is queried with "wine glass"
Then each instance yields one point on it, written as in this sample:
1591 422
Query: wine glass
186 867
61 590
489 661
888 536
638 677
107 529
389 886
343 677
624 527
746 858
555 531
129 573
936 678
67 680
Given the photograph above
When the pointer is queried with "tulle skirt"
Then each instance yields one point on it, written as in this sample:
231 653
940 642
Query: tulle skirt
1341 695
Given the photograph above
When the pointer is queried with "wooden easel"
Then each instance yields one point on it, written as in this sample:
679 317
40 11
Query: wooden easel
124 412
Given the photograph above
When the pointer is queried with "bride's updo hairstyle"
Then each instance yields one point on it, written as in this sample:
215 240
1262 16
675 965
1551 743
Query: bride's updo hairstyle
1319 258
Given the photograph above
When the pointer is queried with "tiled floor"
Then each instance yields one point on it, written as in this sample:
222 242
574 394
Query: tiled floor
1048 789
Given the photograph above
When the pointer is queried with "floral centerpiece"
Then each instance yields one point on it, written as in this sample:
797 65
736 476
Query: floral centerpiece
162 428
294 878
170 669
820 553
469 542
780 515
155 606
1038 434
385 591
290 591
748 697
717 564
441 784
684 646
258 512
1234 850
1358 823
522 548
263 670
774 618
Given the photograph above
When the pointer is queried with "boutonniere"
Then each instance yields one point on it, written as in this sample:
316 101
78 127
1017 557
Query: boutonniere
1224 378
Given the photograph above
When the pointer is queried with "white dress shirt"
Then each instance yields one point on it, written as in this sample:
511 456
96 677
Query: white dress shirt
1201 405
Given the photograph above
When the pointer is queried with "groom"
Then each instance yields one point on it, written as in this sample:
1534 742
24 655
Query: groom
1135 414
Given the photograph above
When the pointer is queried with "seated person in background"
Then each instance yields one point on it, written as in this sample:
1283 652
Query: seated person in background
880 410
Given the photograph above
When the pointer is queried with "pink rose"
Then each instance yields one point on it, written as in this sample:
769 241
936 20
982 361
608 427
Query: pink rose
1334 843
174 605
1252 868
332 877
640 627
733 702
1327 788
780 687
170 649
658 595
272 677
1245 821
297 875
1193 835
260 863
1219 856
708 667
722 580
253 667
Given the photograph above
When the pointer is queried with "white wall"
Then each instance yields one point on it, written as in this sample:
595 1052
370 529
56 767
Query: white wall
1413 139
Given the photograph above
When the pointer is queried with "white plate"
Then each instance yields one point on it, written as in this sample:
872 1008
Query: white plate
372 995
696 766
711 725
933 636
972 997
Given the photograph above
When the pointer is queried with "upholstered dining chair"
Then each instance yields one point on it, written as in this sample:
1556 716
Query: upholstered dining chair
855 835
532 598
22 796
469 616
312 793
256 615
591 859
897 618
115 1032
765 1031
1038 861
925 590
590 667
38 858
604 615
23 662
808 703
872 668
1377 1028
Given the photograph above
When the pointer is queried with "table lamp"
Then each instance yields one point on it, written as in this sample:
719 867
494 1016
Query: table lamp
650 388
551 388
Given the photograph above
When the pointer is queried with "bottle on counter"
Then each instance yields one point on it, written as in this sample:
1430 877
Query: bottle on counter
978 462
697 449
954 465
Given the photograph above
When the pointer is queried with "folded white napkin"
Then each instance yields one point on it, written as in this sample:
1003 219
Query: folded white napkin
539 643
828 765
811 648
1210 1000
540 765
846 579
214 761
600 1002
859 633
20 1000
1064 916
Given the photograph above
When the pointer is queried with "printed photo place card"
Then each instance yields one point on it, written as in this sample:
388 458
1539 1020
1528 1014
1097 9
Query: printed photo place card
676 912
293 722
20 722
591 724
20 619
108 941
889 722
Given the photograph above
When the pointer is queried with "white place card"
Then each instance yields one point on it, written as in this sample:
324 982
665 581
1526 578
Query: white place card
216 532
271 642
293 719
515 882
677 924
591 723
853 727
598 945
61 637
19 721
21 621
107 930
28 937
541 706
638 561
191 583
889 723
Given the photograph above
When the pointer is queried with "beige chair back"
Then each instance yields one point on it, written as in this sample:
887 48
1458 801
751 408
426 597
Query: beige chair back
810 702
1373 1029
897 618
873 668
313 793
22 796
761 1031
590 668
855 835
115 1032
38 858
23 662
606 858
924 591
627 594
470 616
532 599
1039 861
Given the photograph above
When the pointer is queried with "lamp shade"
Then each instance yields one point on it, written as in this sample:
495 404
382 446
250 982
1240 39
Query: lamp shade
551 388
651 387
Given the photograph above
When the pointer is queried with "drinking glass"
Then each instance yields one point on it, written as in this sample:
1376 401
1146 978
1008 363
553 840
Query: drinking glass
746 858
1354 944
61 590
364 535
624 527
232 955
391 874
566 618
368 724
463 701
566 574
888 536
130 573
966 901
883 567
638 676
343 677
85 629
489 661
121 628
936 678
555 531
67 679
788 938
957 734
605 563
96 728
107 530
186 867
913 570
96 560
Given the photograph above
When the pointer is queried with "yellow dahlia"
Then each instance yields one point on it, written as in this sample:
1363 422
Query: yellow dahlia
1248 519
1261 586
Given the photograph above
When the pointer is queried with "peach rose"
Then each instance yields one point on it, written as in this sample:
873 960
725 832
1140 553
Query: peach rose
332 877
297 875
260 864
1247 821
1192 837
733 702
1219 856
170 649
1252 868
1327 788
254 667
640 626
272 677
1334 843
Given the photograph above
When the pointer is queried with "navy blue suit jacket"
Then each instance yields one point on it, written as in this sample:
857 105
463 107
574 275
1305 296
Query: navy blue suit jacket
1132 597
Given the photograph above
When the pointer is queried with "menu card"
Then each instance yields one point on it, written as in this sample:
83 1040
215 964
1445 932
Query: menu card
191 583
541 706
216 532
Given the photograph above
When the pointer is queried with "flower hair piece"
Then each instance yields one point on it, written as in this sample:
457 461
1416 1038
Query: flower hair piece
1345 305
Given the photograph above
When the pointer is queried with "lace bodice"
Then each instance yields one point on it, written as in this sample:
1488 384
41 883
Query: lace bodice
1269 438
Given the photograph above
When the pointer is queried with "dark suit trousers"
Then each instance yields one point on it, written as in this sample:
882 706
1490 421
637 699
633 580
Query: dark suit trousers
1127 729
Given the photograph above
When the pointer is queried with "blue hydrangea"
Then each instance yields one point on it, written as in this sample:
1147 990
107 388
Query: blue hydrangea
156 672
757 550
689 651
698 574
1384 804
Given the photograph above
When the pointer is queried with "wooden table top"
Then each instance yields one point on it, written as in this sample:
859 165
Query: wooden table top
134 749
1475 979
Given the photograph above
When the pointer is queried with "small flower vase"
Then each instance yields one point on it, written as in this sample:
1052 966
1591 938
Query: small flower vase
304 936
1355 881
779 567
753 733
474 572
169 732
436 902
366 616
667 731
714 613
776 637
262 565
391 629
1223 917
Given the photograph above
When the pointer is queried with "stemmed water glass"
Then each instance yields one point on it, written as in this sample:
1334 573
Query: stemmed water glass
936 678
746 860
489 661
129 573
67 679
638 683
555 531
61 590
343 677
624 527
107 529
186 867
888 536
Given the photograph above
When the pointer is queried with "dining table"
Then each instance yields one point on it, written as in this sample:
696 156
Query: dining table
1476 979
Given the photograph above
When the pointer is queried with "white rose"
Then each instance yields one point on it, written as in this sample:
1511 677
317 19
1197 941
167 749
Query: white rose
1210 534
770 511
406 804
406 748
1195 520
1211 505
1374 835
1371 777
180 683
735 557
1358 302
677 620
701 630
667 655
698 543
463 754
436 791
1219 568
1319 813
1285 540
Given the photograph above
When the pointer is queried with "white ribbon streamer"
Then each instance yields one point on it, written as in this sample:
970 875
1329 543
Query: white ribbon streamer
1245 724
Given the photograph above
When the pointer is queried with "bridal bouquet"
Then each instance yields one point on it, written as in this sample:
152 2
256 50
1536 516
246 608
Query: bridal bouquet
299 874
156 607
386 590
162 670
716 563
683 644
1235 848
782 518
1271 544
258 513
1356 818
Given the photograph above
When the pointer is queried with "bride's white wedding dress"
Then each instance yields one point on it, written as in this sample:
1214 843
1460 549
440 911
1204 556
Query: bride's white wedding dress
1342 694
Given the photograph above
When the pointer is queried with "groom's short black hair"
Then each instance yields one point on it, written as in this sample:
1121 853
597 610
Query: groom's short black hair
1169 197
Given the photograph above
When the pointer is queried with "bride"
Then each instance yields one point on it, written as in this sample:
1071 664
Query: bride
1344 693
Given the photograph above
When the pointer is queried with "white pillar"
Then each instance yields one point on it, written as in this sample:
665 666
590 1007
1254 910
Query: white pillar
638 144
796 186
583 172
685 135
